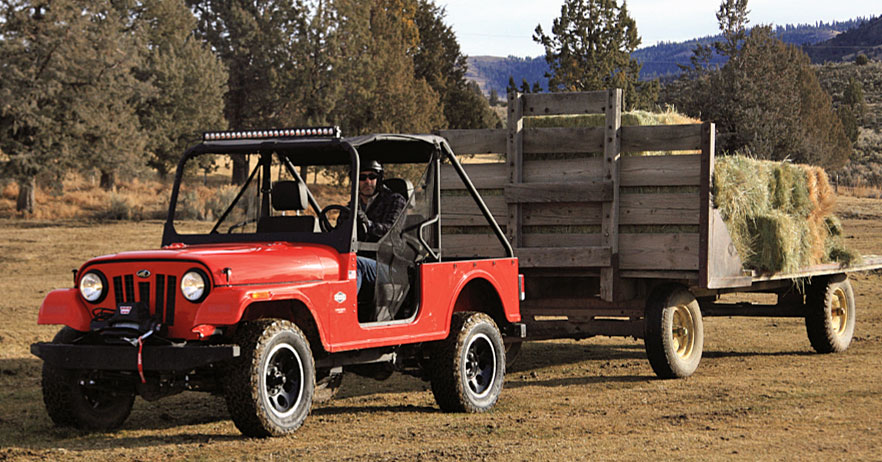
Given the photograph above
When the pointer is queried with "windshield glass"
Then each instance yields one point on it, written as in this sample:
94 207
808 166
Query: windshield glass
269 197
290 195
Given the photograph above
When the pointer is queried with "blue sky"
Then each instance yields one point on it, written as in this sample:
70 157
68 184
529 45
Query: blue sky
505 27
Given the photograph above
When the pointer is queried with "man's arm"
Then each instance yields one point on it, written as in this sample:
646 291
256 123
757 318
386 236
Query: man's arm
383 215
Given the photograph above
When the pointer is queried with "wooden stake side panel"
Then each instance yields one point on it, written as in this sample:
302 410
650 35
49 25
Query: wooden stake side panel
552 192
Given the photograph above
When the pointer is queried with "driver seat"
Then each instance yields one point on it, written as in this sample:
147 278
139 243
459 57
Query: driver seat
401 186
288 196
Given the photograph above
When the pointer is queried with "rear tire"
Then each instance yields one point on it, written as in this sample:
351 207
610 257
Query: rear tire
269 388
673 332
72 404
830 315
468 367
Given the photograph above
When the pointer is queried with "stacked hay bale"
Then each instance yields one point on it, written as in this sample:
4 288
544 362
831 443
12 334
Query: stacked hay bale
779 214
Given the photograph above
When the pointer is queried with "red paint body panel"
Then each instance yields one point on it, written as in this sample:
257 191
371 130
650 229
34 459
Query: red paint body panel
65 306
316 276
441 284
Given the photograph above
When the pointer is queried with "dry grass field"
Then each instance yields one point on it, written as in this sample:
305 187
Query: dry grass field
759 394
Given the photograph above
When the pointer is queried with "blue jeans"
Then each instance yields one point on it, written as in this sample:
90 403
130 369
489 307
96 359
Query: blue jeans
367 271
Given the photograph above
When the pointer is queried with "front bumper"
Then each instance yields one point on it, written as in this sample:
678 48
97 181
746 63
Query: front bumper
162 358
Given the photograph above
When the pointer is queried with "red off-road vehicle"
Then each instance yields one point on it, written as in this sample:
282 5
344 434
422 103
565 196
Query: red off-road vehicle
261 304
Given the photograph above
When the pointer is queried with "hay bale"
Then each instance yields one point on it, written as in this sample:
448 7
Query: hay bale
778 214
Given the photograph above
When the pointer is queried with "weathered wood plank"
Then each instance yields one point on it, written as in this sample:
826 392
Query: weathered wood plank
514 155
659 252
659 209
612 148
542 104
661 138
475 141
563 170
483 176
562 214
595 191
563 140
470 245
561 240
563 257
661 171
462 211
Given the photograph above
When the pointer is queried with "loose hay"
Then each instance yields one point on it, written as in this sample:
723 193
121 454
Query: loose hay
779 214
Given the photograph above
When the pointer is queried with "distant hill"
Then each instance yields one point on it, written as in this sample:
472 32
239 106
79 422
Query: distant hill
492 72
865 39
661 60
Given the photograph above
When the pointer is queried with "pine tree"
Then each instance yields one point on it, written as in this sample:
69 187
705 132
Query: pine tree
67 91
439 61
590 48
189 81
258 41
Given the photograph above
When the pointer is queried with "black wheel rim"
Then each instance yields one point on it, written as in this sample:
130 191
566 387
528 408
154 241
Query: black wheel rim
283 380
480 365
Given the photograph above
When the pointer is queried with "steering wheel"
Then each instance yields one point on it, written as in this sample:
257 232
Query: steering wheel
324 223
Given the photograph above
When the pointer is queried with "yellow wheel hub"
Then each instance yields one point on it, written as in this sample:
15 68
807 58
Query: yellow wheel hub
683 331
839 311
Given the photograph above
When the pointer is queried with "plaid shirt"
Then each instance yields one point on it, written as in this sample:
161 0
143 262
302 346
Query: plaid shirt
382 212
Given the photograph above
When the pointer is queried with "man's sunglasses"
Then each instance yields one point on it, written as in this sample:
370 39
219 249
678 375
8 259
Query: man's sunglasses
368 176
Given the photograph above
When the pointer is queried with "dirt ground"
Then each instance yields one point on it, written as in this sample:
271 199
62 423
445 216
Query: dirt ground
759 394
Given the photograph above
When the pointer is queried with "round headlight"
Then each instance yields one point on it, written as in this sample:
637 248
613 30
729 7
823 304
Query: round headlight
92 286
194 285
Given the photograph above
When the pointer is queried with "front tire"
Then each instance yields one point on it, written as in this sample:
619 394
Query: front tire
74 398
269 389
673 332
468 367
830 315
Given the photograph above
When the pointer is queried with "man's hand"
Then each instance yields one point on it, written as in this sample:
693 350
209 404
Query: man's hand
362 225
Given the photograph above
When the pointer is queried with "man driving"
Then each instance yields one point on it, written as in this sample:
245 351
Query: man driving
378 208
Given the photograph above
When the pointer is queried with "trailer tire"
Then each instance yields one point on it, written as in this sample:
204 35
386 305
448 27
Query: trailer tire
70 404
269 388
830 315
673 332
467 369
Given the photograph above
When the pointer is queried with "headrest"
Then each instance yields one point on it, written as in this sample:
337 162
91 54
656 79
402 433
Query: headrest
400 185
289 195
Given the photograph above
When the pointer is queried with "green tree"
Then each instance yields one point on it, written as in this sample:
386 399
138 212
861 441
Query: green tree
261 43
378 40
67 91
189 81
439 61
770 101
590 48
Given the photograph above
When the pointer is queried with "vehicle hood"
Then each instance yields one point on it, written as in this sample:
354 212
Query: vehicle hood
249 263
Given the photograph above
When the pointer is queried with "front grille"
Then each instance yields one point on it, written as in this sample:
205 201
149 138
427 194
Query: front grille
164 306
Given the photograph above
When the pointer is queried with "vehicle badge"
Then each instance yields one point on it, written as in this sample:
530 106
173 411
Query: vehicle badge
125 310
339 297
143 274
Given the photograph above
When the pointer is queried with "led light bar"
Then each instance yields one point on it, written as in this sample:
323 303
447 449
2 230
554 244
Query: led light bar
309 132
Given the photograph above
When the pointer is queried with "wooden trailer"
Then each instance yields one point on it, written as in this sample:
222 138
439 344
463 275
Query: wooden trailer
619 244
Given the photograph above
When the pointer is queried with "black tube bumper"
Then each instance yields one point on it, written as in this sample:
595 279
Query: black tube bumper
165 358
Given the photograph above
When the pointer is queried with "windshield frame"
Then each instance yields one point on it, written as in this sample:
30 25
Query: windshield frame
342 239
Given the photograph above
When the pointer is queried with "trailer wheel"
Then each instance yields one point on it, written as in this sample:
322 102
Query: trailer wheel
673 332
830 315
468 367
269 388
73 398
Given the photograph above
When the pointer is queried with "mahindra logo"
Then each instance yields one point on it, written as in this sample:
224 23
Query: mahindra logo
143 274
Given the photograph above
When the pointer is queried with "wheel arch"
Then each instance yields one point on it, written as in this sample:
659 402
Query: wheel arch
293 310
481 295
